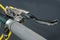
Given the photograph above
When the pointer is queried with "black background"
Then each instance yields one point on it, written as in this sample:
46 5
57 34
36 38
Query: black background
44 9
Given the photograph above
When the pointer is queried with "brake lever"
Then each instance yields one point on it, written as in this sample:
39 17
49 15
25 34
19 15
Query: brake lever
19 14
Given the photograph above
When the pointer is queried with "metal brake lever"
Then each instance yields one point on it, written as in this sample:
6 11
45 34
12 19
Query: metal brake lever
19 14
42 21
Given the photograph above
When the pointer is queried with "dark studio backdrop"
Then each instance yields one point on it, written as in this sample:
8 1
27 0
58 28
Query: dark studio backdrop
44 9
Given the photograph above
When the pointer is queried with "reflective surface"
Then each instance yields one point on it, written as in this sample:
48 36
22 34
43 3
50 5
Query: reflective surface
45 9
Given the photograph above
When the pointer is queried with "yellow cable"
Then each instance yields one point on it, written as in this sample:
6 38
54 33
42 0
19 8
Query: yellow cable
11 7
2 7
1 37
10 33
